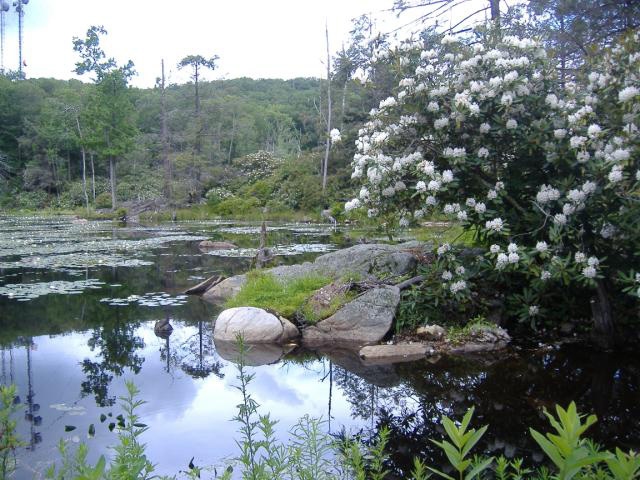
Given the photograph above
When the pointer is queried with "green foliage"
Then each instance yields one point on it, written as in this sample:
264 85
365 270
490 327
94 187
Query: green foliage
572 455
463 439
9 439
234 206
265 291
73 464
32 200
568 449
130 460
103 200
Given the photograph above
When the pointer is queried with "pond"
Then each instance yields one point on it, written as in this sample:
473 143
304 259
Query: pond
78 304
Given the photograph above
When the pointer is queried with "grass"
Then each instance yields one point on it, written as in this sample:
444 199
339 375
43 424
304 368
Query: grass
265 291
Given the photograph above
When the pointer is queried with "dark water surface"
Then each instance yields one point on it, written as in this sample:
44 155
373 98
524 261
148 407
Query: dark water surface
78 303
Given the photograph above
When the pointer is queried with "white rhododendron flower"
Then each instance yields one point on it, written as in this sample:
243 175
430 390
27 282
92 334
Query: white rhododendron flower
628 94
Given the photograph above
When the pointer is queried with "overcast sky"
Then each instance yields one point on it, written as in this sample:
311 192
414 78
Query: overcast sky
253 38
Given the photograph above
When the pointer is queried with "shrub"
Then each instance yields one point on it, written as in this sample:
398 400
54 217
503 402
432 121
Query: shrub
545 174
235 206
32 200
103 200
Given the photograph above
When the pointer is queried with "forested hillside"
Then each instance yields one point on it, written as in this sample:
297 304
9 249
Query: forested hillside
41 145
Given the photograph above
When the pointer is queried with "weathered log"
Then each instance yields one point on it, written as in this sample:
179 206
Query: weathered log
205 285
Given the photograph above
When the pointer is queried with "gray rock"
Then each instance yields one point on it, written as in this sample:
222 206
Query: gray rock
401 352
224 290
254 324
432 332
364 320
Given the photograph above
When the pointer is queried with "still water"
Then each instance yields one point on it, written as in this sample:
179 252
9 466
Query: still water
78 303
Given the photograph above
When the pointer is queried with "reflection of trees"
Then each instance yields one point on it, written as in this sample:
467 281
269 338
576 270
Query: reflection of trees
199 361
31 408
195 355
117 344
508 394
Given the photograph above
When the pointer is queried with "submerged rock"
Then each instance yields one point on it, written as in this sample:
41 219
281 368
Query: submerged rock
364 320
255 325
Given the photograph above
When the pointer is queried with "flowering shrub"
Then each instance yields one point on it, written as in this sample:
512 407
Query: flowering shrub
257 165
545 174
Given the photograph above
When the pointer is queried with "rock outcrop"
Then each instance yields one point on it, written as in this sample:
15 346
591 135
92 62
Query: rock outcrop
364 320
365 262
255 325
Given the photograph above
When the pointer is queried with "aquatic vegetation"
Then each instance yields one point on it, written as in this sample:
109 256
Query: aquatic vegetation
28 291
60 245
153 299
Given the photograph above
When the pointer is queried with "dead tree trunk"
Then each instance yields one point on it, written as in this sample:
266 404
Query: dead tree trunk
325 164
168 174
84 164
93 177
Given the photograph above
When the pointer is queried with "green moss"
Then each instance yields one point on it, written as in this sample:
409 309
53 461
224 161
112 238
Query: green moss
265 291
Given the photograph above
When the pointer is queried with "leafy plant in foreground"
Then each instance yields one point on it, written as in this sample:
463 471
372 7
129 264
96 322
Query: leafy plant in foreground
457 451
9 441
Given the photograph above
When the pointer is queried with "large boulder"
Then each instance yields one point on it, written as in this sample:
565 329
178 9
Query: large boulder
365 262
364 320
255 325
